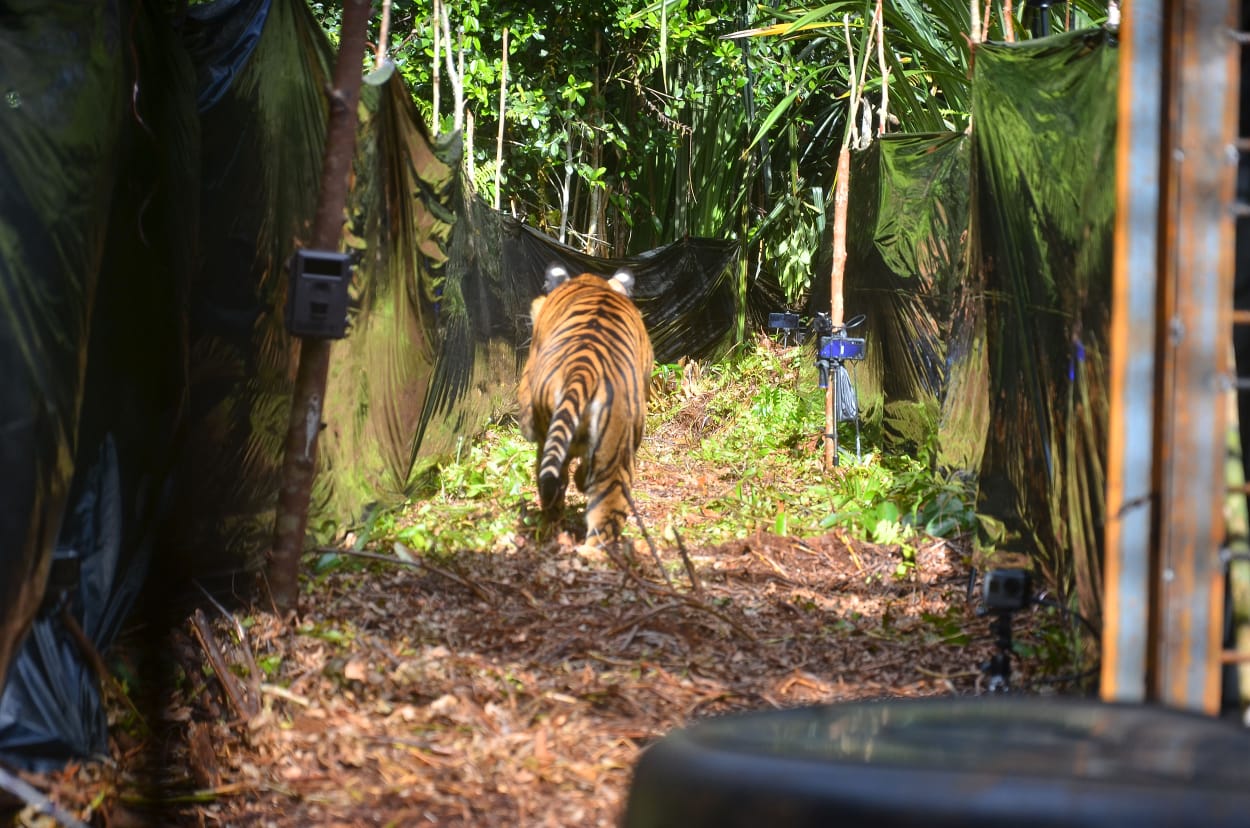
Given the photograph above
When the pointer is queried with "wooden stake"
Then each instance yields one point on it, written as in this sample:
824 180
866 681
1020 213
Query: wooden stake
837 310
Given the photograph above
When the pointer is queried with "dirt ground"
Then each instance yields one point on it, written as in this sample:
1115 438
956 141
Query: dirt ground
518 687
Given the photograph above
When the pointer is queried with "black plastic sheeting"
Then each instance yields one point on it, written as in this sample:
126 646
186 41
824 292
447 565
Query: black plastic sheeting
157 173
93 266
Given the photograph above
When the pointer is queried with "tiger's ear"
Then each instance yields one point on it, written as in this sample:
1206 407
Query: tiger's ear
622 282
556 276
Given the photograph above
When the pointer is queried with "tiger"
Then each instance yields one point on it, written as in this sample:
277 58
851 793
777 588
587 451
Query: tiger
583 394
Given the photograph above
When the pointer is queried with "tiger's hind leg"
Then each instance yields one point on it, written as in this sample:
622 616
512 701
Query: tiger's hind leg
607 508
551 494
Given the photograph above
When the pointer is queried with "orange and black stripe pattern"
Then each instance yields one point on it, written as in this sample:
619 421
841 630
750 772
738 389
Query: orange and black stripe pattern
583 394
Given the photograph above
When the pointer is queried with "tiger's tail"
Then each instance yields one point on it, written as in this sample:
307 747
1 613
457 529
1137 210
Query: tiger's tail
553 474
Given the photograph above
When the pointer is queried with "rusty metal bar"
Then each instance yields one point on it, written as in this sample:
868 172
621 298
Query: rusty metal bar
1127 573
1201 61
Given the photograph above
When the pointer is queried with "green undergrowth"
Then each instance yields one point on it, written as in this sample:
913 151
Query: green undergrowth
758 422
740 445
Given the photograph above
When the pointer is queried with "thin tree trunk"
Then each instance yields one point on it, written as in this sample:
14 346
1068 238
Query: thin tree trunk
883 113
299 465
470 160
455 76
384 32
1009 27
566 188
593 232
503 89
435 79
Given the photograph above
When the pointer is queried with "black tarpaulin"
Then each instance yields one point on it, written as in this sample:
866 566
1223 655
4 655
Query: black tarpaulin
96 211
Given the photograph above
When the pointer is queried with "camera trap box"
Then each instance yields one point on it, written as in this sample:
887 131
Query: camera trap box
784 321
317 294
1006 590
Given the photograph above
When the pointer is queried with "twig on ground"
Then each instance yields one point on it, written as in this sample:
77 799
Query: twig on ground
655 553
253 670
35 798
668 592
283 693
685 559
418 563
244 706
635 621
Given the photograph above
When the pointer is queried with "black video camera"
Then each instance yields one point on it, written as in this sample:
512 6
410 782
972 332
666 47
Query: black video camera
1006 590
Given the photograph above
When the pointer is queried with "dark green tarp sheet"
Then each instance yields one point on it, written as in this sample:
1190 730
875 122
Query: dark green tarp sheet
982 262
1043 179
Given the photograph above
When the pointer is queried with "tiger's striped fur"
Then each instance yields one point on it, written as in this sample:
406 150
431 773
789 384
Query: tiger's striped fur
583 394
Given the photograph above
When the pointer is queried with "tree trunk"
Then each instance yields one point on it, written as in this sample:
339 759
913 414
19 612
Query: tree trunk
503 90
435 77
299 465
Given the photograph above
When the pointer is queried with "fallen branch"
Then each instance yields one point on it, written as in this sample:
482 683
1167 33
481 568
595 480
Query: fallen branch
668 592
108 682
244 706
34 798
253 670
283 693
416 563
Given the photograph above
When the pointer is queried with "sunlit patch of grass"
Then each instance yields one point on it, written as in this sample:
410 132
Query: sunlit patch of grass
761 423
475 501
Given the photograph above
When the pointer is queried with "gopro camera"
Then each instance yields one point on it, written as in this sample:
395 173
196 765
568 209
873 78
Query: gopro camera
1006 590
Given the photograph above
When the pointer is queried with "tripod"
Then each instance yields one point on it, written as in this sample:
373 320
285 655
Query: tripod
998 667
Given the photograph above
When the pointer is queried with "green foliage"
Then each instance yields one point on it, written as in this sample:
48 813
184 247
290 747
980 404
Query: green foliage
765 415
469 503
759 417
629 124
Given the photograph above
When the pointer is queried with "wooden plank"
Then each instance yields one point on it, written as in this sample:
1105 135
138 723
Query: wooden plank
1197 282
1127 573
